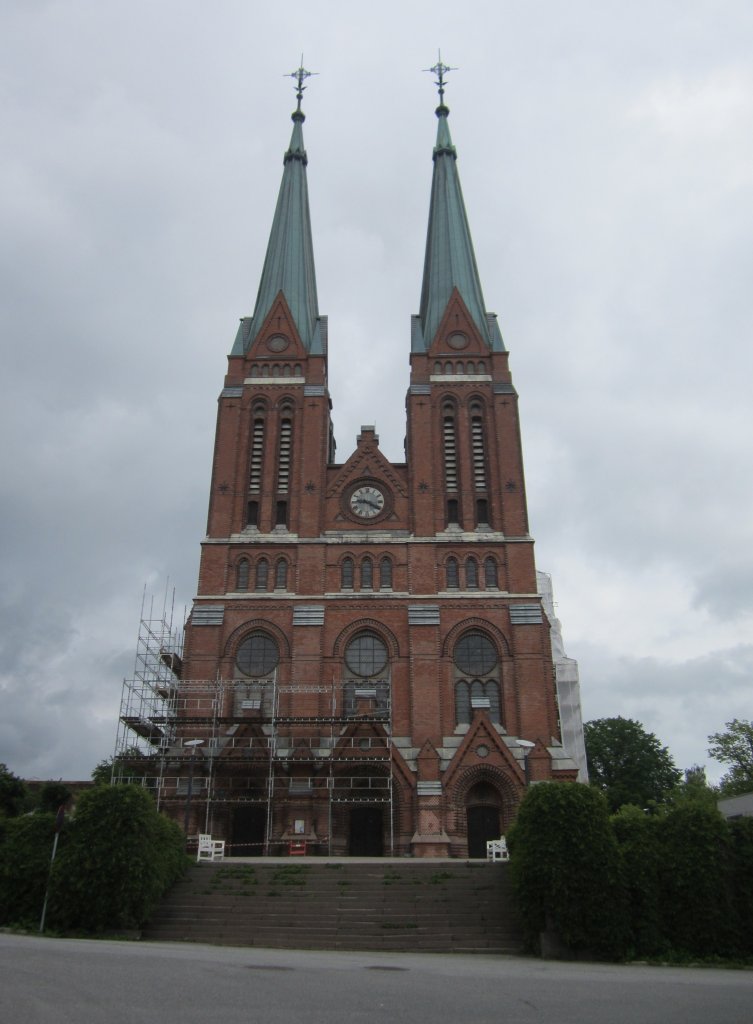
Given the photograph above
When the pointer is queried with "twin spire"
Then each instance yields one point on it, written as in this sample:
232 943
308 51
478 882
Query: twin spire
449 262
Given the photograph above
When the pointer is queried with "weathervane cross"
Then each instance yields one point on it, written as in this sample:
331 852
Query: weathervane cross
440 70
300 77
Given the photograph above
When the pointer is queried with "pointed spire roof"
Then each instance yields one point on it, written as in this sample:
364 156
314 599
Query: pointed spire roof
289 262
450 261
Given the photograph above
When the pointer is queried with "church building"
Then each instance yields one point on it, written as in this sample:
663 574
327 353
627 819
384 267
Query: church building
367 667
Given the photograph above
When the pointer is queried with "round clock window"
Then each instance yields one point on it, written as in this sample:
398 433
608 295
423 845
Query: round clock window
366 501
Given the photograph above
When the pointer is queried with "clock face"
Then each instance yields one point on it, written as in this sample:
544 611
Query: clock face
366 501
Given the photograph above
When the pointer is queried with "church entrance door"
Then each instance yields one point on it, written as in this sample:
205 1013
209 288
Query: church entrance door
365 837
483 824
249 826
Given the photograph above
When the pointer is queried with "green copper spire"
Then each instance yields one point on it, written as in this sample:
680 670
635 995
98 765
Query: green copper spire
289 263
450 261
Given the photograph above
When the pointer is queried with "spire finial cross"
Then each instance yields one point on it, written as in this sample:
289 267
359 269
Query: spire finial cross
440 70
300 76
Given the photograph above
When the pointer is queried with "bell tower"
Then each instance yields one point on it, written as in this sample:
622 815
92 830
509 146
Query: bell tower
368 662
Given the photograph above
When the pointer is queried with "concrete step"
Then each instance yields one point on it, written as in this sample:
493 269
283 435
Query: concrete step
388 905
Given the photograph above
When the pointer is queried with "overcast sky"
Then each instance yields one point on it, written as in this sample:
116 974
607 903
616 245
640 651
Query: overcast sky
606 156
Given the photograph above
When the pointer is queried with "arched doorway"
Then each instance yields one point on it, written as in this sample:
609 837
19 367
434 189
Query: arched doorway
482 809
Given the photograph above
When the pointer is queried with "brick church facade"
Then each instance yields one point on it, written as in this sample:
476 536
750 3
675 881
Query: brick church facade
367 666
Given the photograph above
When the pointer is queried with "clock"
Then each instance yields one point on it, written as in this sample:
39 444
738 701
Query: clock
366 501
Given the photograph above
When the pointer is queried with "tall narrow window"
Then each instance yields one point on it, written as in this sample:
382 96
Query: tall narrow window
346 574
281 574
477 444
283 458
385 573
482 511
471 574
262 574
257 451
367 574
252 513
281 513
450 449
452 511
491 581
451 572
241 575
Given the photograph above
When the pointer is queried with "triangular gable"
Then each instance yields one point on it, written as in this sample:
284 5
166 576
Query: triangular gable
457 320
367 460
482 731
279 322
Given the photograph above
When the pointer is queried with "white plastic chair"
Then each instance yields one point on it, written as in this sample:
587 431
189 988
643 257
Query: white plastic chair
496 849
210 849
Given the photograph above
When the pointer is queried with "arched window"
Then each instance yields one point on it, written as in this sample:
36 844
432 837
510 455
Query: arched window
451 573
241 575
366 659
284 451
257 454
477 675
346 574
471 574
477 445
491 581
367 574
281 574
385 573
262 574
463 702
450 451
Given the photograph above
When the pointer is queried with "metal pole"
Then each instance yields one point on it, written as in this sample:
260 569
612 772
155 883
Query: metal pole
188 796
47 890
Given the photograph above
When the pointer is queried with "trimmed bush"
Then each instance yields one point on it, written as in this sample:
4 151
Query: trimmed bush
24 868
120 857
638 839
696 879
741 836
565 865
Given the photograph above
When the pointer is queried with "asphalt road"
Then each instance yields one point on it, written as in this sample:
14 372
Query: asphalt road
86 982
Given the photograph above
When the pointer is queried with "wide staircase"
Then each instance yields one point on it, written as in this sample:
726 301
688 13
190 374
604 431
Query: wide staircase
391 905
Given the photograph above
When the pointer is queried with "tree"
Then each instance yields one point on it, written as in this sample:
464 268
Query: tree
734 747
12 793
53 795
694 789
628 764
131 766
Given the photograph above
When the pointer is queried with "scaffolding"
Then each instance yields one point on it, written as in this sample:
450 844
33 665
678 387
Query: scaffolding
276 749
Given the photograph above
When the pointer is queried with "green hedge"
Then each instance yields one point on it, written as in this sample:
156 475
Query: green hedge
676 884
696 881
116 857
566 868
640 863
24 867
